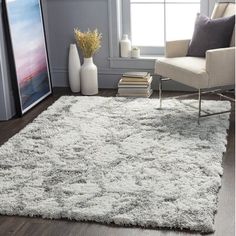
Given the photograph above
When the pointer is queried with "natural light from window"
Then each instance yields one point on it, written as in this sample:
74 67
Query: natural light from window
154 21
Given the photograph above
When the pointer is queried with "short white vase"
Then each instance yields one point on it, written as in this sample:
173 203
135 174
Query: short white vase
89 77
74 69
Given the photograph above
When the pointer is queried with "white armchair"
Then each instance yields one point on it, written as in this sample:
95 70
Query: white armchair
217 69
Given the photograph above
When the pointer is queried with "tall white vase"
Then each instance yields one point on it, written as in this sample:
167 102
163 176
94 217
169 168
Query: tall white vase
74 69
89 77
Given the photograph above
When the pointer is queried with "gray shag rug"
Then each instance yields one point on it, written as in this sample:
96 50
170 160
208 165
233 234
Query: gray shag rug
117 160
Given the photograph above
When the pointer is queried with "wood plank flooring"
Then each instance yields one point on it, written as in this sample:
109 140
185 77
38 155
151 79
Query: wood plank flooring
23 226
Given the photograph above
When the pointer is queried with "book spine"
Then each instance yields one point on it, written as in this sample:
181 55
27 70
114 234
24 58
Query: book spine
133 86
134 75
146 78
136 90
144 95
144 82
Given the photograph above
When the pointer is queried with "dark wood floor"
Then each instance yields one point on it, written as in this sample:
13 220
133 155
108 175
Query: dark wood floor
22 226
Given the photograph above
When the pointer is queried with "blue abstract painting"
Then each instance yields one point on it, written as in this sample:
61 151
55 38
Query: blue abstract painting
29 51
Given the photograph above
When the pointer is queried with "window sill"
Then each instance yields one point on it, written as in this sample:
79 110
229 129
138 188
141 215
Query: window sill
144 62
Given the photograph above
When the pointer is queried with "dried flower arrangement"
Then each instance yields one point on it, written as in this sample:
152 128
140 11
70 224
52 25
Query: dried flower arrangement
89 42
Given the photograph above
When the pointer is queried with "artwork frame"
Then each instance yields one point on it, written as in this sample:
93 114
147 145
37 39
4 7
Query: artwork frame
28 64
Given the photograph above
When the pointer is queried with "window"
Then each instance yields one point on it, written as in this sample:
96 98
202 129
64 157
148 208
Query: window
150 23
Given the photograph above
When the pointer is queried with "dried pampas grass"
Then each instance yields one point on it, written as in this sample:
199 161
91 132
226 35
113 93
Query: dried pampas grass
89 42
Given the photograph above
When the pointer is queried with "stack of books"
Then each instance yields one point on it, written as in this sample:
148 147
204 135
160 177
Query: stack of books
135 84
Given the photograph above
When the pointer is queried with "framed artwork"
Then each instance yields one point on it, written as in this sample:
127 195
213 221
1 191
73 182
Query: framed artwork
27 52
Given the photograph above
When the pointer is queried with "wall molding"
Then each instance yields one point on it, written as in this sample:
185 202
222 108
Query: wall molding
108 79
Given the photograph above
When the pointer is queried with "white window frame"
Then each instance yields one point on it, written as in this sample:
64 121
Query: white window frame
117 12
126 24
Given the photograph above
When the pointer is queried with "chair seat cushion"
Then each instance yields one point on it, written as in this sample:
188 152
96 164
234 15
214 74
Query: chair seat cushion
190 71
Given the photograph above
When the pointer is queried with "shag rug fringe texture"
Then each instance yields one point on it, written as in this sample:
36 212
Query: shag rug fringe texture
117 160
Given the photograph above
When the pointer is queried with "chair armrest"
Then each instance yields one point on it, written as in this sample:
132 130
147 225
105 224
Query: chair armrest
220 66
178 48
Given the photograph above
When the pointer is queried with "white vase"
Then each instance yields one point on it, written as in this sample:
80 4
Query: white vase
74 69
125 46
89 77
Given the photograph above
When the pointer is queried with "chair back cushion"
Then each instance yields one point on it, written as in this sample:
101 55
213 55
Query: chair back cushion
224 10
